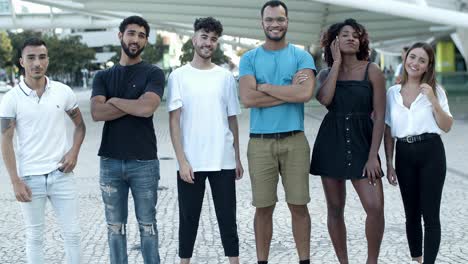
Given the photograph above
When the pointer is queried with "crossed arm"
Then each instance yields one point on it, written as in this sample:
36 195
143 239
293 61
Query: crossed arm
114 108
266 95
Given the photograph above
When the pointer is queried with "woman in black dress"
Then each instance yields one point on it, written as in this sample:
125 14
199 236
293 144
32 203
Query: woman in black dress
347 144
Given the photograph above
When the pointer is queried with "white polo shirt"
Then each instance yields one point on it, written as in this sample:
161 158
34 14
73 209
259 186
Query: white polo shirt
206 98
40 125
417 119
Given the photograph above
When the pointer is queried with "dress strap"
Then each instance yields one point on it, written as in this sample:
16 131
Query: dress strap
366 76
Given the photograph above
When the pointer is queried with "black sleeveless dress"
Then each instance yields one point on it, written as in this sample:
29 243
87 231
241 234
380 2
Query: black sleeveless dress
343 142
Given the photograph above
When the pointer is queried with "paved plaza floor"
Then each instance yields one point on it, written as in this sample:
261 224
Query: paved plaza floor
208 249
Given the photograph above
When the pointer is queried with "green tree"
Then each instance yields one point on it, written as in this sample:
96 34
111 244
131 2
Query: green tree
115 59
187 54
67 55
154 52
6 50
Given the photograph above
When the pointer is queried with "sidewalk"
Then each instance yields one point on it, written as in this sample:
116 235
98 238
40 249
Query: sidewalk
208 247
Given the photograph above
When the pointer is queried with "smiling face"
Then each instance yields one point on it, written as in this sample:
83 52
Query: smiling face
275 23
205 43
417 63
34 60
133 40
349 40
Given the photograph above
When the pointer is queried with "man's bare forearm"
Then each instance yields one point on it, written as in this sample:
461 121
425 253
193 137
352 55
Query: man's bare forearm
251 97
296 92
174 128
261 99
105 112
142 107
234 127
8 152
10 160
80 129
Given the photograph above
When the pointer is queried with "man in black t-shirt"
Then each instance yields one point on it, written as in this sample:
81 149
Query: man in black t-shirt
125 97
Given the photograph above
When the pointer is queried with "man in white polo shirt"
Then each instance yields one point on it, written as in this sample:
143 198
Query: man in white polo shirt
36 108
203 104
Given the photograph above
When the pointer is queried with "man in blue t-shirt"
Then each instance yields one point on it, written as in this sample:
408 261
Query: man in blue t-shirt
276 79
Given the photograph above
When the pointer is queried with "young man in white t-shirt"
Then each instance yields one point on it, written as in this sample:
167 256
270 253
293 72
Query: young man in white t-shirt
203 104
36 108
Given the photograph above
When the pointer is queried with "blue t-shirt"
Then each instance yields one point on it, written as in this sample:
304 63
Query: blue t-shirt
276 67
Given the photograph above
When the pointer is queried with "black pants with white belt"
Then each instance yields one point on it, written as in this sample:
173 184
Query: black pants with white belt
421 169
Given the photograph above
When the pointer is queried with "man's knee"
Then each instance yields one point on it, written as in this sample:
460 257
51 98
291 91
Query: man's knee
147 229
264 212
116 228
35 237
72 238
298 211
71 234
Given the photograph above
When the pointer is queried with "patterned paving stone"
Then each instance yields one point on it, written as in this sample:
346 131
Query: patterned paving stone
208 247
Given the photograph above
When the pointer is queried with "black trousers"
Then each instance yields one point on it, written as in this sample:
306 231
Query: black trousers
421 169
223 188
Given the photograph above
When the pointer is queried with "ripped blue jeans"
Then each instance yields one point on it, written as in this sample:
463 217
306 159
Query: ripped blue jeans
117 177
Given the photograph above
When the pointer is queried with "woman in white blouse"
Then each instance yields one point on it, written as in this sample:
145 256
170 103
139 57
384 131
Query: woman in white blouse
417 113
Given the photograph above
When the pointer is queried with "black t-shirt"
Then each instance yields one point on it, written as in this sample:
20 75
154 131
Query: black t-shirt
129 137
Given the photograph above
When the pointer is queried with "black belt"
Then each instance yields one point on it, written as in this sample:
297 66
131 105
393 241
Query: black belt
276 135
417 138
349 113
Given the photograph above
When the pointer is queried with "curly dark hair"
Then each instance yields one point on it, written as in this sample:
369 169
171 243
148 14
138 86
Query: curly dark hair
333 31
208 24
134 20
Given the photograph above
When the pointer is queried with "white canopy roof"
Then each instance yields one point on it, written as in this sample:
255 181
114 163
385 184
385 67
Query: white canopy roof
391 23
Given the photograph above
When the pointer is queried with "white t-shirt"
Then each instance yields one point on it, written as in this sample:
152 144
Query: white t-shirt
40 125
416 120
207 98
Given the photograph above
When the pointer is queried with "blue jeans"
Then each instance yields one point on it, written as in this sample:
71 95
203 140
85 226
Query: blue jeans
142 178
59 189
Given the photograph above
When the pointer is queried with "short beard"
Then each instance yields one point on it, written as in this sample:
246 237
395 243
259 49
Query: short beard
129 53
202 56
277 39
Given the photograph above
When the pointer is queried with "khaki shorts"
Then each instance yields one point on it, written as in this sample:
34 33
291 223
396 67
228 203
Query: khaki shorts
268 158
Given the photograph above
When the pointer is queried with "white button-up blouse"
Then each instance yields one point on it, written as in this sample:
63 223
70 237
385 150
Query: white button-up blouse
415 120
